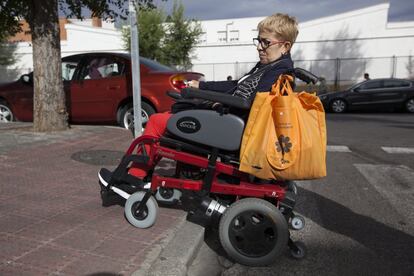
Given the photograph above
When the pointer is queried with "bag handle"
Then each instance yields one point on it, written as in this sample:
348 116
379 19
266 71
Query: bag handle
282 86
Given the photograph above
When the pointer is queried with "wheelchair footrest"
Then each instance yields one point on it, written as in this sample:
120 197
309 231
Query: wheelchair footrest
109 178
127 183
105 177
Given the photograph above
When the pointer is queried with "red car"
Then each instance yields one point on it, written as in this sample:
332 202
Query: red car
98 89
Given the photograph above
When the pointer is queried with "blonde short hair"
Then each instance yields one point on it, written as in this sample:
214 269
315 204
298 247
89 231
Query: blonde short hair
282 25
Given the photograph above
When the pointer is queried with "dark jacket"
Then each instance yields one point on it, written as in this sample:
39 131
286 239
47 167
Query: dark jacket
283 65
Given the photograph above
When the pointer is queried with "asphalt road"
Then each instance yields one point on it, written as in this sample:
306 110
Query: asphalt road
360 218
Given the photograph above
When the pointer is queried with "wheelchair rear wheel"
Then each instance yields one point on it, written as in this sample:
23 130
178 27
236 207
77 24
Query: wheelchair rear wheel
253 232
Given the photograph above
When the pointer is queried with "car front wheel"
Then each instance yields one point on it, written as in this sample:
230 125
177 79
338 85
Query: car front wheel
6 115
409 105
338 106
126 118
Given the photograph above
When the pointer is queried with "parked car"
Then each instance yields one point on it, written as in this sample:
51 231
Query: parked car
372 94
98 89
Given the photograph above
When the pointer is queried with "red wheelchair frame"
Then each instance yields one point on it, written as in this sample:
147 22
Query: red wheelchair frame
244 188
278 196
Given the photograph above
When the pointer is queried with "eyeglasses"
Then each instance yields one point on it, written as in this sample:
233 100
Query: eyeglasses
265 43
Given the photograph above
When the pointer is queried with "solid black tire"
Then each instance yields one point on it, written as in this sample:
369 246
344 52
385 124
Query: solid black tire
174 196
263 208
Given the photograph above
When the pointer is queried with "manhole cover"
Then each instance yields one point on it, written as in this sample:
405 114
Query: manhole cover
98 157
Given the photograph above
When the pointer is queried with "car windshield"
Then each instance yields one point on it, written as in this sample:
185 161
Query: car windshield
155 66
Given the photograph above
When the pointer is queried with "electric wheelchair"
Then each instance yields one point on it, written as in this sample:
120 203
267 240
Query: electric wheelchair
253 215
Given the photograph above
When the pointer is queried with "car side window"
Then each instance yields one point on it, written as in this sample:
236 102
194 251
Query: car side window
68 69
102 67
395 83
370 85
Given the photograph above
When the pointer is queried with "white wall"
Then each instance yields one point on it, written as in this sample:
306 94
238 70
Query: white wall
363 39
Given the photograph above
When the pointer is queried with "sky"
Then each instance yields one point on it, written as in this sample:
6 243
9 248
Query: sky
303 10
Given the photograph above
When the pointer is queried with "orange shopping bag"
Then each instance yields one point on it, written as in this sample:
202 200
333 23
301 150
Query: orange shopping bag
285 135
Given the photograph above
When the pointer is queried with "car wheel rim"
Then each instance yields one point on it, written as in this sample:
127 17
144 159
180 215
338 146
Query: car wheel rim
5 114
410 105
338 106
129 118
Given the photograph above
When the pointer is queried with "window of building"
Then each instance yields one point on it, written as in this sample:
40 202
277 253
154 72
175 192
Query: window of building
203 38
234 36
222 36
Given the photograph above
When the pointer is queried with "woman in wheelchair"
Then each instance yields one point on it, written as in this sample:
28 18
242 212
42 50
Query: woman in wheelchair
253 216
277 34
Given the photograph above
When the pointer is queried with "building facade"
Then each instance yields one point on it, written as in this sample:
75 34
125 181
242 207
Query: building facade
341 47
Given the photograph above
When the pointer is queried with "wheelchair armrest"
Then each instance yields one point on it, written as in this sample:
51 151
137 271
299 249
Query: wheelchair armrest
174 95
226 99
305 75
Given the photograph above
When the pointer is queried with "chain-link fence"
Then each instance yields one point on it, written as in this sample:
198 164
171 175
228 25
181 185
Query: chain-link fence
337 73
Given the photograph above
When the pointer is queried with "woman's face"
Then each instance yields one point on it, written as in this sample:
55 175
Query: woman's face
271 48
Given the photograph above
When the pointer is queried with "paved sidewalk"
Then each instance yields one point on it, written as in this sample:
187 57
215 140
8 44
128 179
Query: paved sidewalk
51 218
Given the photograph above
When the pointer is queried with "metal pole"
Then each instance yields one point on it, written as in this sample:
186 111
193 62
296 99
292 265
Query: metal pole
136 78
227 31
393 66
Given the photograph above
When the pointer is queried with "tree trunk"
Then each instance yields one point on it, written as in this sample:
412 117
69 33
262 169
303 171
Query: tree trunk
49 103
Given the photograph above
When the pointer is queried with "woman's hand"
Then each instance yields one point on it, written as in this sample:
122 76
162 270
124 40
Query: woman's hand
193 84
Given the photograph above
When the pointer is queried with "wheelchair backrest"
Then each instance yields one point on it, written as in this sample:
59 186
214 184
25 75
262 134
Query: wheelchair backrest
208 127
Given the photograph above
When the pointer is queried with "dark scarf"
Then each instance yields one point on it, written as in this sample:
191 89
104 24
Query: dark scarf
247 87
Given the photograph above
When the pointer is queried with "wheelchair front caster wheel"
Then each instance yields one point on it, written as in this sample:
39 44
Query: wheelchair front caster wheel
144 218
297 223
168 195
299 252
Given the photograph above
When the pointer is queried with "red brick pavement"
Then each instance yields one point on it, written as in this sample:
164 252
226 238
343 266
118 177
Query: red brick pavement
51 218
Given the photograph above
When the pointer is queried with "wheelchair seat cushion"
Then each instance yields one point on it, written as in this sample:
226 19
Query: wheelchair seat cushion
208 127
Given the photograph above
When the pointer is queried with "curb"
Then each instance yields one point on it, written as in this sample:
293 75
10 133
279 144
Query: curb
15 125
181 247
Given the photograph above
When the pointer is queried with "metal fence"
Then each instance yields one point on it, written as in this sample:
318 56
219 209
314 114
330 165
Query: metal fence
337 72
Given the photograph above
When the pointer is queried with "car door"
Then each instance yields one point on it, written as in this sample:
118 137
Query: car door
391 93
24 98
70 69
363 95
96 92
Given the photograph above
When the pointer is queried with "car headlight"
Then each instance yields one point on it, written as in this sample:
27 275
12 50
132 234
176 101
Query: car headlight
323 97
